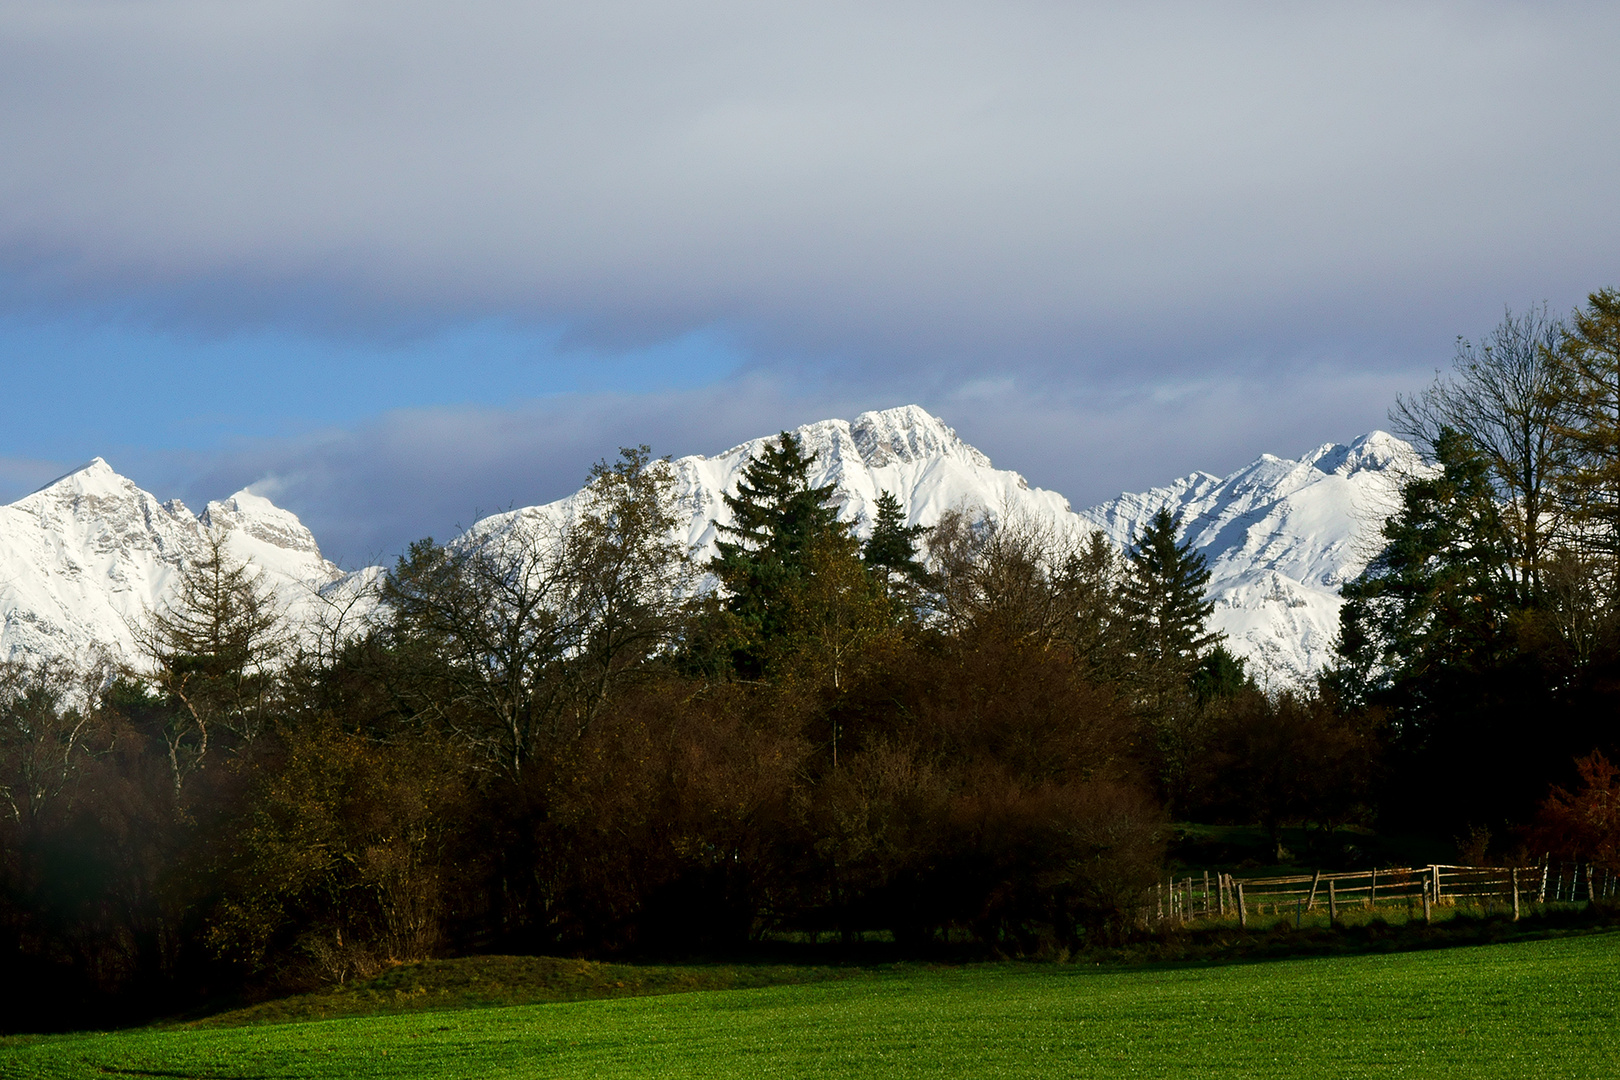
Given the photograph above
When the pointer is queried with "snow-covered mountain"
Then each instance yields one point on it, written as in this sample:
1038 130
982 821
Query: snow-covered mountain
86 554
905 451
1281 536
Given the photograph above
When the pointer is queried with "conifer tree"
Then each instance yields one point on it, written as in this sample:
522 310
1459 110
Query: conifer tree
1089 584
778 520
209 653
1434 636
1438 597
891 551
1590 386
1165 617
1162 601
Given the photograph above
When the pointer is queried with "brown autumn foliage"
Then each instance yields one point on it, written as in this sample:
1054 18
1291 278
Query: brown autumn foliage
1583 824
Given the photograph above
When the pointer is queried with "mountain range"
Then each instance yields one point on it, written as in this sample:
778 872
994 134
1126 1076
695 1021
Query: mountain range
83 558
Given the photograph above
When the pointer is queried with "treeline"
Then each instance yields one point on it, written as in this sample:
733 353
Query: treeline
1487 632
554 737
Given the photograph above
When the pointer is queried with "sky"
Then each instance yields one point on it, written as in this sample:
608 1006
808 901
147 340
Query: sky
398 264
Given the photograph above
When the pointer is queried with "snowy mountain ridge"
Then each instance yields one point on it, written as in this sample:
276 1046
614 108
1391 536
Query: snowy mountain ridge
1280 535
88 553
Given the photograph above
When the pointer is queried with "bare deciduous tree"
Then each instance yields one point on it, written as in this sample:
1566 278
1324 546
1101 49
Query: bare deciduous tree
1501 394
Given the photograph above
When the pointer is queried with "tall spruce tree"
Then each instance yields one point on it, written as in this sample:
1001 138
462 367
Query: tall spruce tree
1165 616
778 520
891 551
1440 595
1162 601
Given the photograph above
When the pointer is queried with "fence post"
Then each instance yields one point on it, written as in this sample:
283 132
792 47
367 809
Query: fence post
1315 878
1541 895
1243 909
1372 892
1333 904
1220 892
1514 874
1590 895
1206 892
1428 912
1435 870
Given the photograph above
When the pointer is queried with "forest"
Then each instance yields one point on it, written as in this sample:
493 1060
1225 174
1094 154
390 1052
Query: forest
580 741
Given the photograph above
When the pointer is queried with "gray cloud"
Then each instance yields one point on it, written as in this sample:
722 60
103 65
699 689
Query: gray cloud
1110 243
368 491
1050 185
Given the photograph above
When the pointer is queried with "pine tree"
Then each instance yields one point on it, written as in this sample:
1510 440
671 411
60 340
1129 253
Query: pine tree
1162 601
1165 617
1089 586
778 520
891 551
1439 597
1436 636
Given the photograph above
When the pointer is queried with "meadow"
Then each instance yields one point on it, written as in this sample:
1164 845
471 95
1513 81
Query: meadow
1544 1008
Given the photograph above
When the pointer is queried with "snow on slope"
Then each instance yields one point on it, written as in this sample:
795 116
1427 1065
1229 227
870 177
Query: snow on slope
905 451
84 555
1280 536
89 553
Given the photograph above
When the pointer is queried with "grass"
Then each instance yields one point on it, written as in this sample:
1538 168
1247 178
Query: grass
489 981
1546 1008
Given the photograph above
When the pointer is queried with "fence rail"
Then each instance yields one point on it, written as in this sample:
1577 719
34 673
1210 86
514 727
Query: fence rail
1225 895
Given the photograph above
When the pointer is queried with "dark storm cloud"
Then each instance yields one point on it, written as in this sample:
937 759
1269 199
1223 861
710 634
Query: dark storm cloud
1110 243
915 183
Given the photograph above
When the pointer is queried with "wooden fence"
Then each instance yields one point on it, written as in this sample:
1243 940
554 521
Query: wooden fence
1224 895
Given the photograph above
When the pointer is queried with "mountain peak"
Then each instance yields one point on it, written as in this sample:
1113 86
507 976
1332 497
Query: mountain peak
94 477
261 519
89 555
1376 450
908 433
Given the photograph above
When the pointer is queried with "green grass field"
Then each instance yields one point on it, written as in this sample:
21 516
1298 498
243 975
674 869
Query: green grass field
1548 1008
